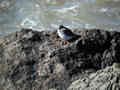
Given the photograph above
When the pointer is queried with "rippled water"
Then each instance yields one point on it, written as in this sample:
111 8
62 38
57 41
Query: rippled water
49 14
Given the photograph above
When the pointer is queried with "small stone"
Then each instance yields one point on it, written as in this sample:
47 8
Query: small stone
116 66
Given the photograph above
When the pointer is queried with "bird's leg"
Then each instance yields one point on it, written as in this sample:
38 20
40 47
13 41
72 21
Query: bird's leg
65 43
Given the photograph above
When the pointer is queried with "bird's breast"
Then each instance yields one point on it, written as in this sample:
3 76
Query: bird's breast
63 35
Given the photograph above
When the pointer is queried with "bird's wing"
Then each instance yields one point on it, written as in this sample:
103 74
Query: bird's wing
68 32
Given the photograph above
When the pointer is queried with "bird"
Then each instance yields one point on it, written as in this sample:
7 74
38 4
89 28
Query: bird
67 34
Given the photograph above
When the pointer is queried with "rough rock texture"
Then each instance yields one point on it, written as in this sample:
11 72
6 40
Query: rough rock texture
31 60
106 79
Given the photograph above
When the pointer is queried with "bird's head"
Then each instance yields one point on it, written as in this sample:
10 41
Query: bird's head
62 28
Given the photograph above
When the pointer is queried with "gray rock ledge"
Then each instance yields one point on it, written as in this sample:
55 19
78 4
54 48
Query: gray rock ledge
31 60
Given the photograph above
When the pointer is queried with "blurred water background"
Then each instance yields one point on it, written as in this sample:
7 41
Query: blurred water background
49 14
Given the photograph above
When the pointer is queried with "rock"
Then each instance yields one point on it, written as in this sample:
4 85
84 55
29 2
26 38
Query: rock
105 79
31 60
116 66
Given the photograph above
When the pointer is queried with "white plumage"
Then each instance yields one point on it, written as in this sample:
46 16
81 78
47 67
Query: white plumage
62 35
65 33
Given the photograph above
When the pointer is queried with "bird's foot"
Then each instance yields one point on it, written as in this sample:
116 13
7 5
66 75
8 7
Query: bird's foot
65 43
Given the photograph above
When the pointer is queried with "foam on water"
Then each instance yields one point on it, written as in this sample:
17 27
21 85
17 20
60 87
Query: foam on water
49 14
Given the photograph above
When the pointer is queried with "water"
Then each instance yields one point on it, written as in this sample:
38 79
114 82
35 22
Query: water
49 14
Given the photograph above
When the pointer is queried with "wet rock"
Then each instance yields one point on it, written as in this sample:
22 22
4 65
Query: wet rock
31 60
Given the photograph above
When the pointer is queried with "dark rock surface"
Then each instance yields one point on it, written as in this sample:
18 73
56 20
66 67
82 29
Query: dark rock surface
104 79
31 60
